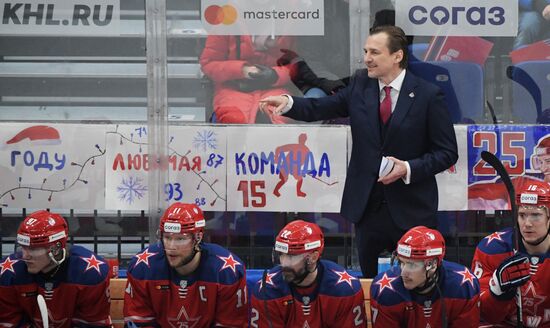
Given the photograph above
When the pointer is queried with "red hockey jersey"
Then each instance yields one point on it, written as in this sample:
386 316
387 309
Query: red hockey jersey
535 294
392 305
214 295
336 301
76 296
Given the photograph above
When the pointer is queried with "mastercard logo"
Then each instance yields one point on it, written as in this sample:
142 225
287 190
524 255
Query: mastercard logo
216 15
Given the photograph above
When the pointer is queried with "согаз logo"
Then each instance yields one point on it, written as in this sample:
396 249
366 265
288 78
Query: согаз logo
216 15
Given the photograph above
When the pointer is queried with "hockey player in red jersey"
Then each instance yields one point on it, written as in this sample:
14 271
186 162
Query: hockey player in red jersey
424 290
73 281
305 291
184 282
501 270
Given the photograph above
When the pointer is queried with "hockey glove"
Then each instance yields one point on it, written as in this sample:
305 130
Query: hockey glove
511 273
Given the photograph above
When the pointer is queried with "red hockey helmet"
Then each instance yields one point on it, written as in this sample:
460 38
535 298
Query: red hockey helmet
43 229
300 237
534 193
182 218
421 243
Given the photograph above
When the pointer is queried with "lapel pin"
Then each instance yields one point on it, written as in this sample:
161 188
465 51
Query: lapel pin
411 95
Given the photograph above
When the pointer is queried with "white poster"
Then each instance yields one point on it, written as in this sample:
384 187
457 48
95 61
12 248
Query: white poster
291 168
459 17
453 183
60 17
52 165
263 17
196 167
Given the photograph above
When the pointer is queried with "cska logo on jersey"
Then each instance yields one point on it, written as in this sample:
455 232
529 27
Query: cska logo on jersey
385 282
344 276
467 276
531 300
143 257
183 320
92 263
7 265
229 262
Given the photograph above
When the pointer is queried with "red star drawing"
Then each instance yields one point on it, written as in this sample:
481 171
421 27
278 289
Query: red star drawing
7 265
92 263
344 276
467 276
531 300
143 257
495 236
385 282
268 279
229 262
186 321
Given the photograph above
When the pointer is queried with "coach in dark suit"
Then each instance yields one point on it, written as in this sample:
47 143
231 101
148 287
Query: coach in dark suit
393 114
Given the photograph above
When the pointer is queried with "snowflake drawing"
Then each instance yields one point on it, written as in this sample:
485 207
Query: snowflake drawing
131 189
205 140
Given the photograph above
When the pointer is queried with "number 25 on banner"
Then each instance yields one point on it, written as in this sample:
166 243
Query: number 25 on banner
254 192
487 140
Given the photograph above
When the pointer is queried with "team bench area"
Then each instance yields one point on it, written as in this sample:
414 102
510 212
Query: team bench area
117 300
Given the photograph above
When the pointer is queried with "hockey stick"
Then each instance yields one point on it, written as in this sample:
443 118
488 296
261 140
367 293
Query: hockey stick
43 310
323 181
492 160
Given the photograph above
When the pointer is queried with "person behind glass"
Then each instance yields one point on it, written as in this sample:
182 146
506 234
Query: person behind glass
73 281
396 115
303 290
182 281
423 290
502 268
244 69
305 79
533 22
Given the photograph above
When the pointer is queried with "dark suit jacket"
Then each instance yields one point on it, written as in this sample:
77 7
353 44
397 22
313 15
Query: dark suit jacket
420 132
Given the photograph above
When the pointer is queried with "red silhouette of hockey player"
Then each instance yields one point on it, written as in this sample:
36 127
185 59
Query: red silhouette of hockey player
297 153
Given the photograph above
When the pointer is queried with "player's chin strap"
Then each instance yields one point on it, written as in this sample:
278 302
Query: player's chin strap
196 249
54 260
304 275
538 241
266 308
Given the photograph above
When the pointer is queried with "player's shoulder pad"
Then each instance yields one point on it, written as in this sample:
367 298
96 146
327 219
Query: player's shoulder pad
13 271
271 285
458 281
220 265
85 267
498 242
337 281
387 288
149 264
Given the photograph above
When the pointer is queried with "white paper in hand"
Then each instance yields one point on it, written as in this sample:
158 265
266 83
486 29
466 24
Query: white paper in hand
385 167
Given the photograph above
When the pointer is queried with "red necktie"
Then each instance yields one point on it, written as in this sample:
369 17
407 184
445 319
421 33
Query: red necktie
385 106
